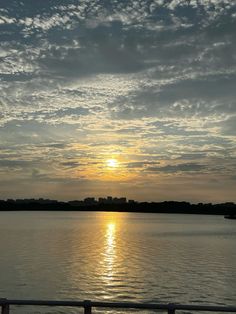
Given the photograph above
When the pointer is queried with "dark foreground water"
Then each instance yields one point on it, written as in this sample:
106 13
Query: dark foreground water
117 257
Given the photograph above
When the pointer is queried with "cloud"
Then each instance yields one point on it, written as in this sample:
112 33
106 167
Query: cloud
149 82
189 167
12 163
141 164
54 145
70 164
228 126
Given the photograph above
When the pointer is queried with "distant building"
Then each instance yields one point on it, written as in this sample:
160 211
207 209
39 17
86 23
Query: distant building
131 201
119 200
101 200
76 203
9 200
90 201
109 200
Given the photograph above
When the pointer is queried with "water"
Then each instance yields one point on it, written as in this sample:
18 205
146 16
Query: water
117 257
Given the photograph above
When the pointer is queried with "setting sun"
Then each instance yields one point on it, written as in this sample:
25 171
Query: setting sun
112 163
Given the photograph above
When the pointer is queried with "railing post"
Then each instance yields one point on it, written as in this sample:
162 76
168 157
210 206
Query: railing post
5 309
87 307
171 308
4 306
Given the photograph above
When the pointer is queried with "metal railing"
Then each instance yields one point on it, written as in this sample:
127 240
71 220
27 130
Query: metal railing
87 305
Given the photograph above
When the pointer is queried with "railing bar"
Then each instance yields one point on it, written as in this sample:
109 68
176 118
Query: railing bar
131 305
89 304
208 308
43 303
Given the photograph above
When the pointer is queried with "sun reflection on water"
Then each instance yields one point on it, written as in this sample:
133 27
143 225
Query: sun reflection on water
110 235
110 249
110 263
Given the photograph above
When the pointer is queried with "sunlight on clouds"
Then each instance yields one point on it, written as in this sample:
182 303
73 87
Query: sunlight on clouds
134 95
112 163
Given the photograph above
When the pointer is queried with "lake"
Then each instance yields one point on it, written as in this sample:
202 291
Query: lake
117 257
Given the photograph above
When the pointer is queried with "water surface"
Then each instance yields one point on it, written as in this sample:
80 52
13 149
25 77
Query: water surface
117 257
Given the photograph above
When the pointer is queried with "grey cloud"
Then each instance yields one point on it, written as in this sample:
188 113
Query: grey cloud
38 175
141 164
173 127
192 156
203 96
107 56
70 164
54 145
13 163
206 88
233 178
187 167
121 40
229 125
78 111
33 132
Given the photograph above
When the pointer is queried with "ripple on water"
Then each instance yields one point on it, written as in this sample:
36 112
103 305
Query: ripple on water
117 257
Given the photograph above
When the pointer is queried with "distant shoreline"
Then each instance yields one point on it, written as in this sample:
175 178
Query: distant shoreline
168 207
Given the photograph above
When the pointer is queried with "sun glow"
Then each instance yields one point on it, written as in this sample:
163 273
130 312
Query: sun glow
112 163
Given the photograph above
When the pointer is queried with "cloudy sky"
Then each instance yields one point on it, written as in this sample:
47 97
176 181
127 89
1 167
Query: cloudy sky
150 84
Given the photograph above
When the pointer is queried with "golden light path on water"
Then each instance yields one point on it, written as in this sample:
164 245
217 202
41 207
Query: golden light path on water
112 254
110 249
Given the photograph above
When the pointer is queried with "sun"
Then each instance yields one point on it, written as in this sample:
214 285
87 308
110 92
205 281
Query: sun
112 163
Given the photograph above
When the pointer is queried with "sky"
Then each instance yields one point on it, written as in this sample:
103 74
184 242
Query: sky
123 98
